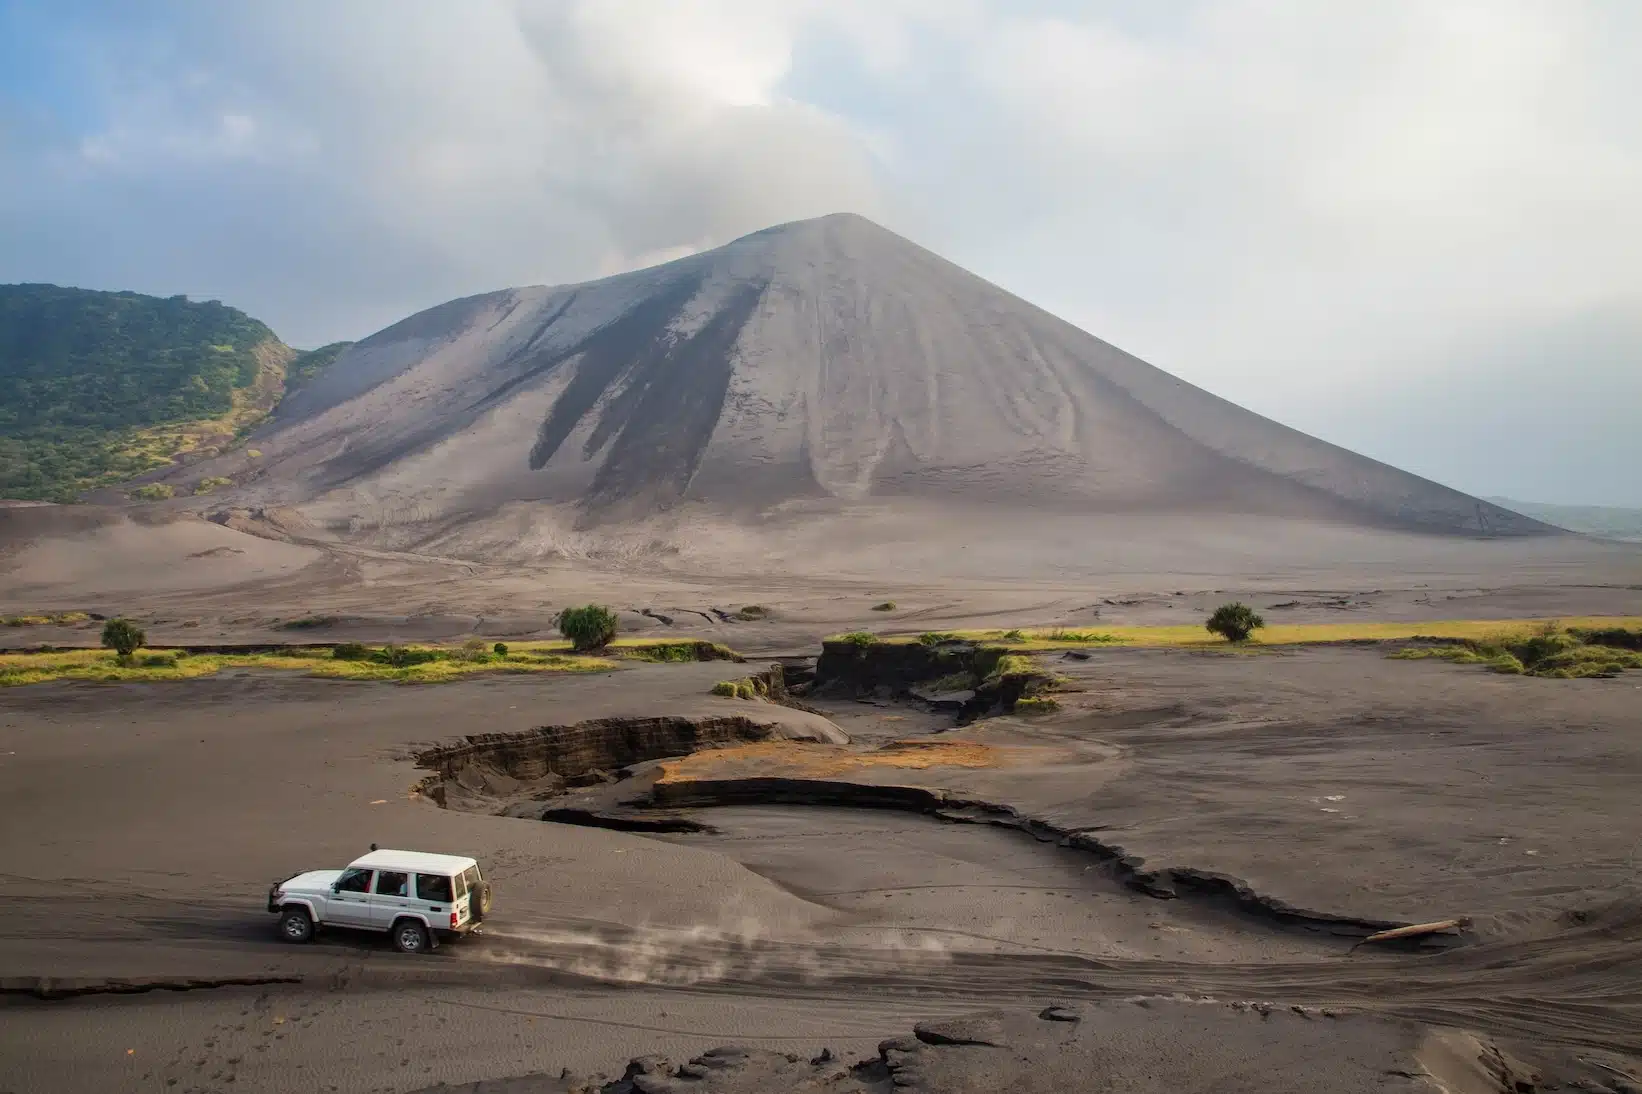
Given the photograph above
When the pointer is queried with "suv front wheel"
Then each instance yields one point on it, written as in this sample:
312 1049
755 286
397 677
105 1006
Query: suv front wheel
295 924
409 936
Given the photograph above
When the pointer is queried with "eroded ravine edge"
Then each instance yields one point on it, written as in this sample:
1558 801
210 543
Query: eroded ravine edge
1166 883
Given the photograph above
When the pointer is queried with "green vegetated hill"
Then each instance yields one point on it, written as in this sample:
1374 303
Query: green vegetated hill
1612 522
98 387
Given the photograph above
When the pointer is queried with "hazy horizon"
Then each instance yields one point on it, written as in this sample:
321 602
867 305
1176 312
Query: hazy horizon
1408 230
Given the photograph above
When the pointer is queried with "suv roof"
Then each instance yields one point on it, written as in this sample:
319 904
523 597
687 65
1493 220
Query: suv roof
413 862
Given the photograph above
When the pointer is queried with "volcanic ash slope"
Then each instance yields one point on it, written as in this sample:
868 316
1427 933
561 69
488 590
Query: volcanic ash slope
811 369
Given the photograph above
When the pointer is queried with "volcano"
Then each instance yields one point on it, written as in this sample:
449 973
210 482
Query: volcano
808 369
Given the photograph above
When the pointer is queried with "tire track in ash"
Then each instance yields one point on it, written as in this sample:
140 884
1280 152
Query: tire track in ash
1577 989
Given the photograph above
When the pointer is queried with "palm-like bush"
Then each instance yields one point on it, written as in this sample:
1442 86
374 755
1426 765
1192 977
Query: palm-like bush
1234 622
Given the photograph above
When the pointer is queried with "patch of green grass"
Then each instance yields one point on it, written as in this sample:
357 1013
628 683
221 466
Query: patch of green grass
1619 638
1462 655
936 638
154 491
1079 638
1546 651
1280 634
45 619
957 681
748 687
214 482
675 652
159 665
861 640
1036 705
996 664
1002 663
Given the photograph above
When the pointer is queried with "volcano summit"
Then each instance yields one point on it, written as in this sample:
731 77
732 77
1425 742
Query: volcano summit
810 370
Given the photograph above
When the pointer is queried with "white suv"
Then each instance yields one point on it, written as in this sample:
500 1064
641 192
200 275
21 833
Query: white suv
415 897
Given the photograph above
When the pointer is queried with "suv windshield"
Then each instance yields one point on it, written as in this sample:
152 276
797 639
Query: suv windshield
354 880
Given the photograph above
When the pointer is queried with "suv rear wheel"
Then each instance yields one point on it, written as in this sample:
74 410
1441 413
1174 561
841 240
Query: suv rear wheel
295 924
409 936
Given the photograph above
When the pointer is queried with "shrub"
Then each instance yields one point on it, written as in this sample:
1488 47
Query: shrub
1616 637
351 651
861 640
936 638
754 612
886 606
725 689
158 661
403 657
1013 636
154 491
473 650
123 637
500 650
588 628
205 486
1234 622
1034 705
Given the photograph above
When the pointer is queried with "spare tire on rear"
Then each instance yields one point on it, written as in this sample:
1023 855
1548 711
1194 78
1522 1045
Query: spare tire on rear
481 902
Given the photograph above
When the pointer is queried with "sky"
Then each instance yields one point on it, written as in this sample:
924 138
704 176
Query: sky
1411 227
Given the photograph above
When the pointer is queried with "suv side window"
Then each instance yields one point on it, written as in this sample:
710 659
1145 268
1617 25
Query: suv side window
354 880
390 883
434 887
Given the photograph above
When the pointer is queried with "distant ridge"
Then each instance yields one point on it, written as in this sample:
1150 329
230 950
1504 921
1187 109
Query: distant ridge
1608 521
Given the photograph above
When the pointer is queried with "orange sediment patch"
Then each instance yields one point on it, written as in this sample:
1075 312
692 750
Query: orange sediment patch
806 760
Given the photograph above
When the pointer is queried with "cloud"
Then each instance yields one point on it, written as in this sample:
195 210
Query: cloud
1303 206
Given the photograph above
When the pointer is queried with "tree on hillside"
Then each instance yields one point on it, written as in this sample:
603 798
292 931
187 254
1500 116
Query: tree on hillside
588 628
1234 622
123 637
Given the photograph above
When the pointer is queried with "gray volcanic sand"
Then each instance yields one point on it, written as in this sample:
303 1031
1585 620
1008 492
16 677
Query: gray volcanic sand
192 581
143 823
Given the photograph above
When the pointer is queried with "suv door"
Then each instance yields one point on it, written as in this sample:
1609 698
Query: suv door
390 898
350 901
